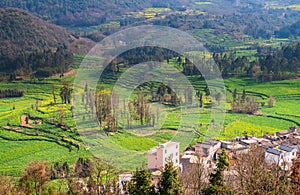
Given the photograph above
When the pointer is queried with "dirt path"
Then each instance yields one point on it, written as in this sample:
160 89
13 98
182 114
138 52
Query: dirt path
71 72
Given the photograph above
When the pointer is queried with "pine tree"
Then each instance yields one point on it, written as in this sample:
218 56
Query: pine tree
169 182
141 183
216 180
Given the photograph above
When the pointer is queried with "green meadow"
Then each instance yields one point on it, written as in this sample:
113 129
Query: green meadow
46 141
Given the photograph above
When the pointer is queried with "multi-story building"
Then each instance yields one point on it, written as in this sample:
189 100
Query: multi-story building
160 155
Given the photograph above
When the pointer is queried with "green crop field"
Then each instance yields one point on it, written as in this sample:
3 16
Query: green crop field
46 141
20 145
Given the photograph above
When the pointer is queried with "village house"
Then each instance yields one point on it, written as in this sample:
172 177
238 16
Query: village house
249 142
188 159
271 137
160 155
204 153
124 179
281 155
234 147
263 142
284 134
208 149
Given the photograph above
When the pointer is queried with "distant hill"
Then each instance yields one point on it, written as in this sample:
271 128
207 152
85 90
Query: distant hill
29 45
78 13
289 31
22 32
87 12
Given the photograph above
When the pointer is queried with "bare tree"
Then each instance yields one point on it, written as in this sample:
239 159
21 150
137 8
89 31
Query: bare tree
103 180
35 177
252 175
295 176
194 177
8 186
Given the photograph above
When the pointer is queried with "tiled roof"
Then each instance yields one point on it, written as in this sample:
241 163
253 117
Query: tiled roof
167 144
274 151
286 148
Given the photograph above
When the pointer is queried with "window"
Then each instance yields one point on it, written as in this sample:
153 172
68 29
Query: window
165 151
176 153
176 146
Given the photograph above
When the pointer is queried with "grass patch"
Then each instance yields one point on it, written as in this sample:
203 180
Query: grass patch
133 142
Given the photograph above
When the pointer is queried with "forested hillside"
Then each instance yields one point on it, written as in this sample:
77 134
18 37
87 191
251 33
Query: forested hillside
24 37
20 31
85 13
289 31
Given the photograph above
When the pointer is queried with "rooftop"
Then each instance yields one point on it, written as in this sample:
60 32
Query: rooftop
249 141
208 143
285 132
280 149
190 158
273 151
165 145
286 148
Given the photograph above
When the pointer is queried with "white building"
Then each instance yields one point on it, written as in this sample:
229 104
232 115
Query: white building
281 155
160 155
124 179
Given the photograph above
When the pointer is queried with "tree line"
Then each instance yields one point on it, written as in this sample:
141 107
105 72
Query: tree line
41 64
7 93
138 111
269 65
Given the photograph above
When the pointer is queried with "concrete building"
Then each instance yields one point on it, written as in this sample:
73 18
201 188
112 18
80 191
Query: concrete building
124 179
281 155
234 147
208 148
249 142
160 155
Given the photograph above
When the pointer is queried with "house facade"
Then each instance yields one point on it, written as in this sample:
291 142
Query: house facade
160 155
281 155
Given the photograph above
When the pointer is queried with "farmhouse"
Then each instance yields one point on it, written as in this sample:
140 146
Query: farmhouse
188 159
281 155
124 179
204 153
234 147
271 137
249 142
160 155
208 149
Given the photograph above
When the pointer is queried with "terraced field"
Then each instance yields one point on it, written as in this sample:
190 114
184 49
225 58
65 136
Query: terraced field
22 143
43 138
